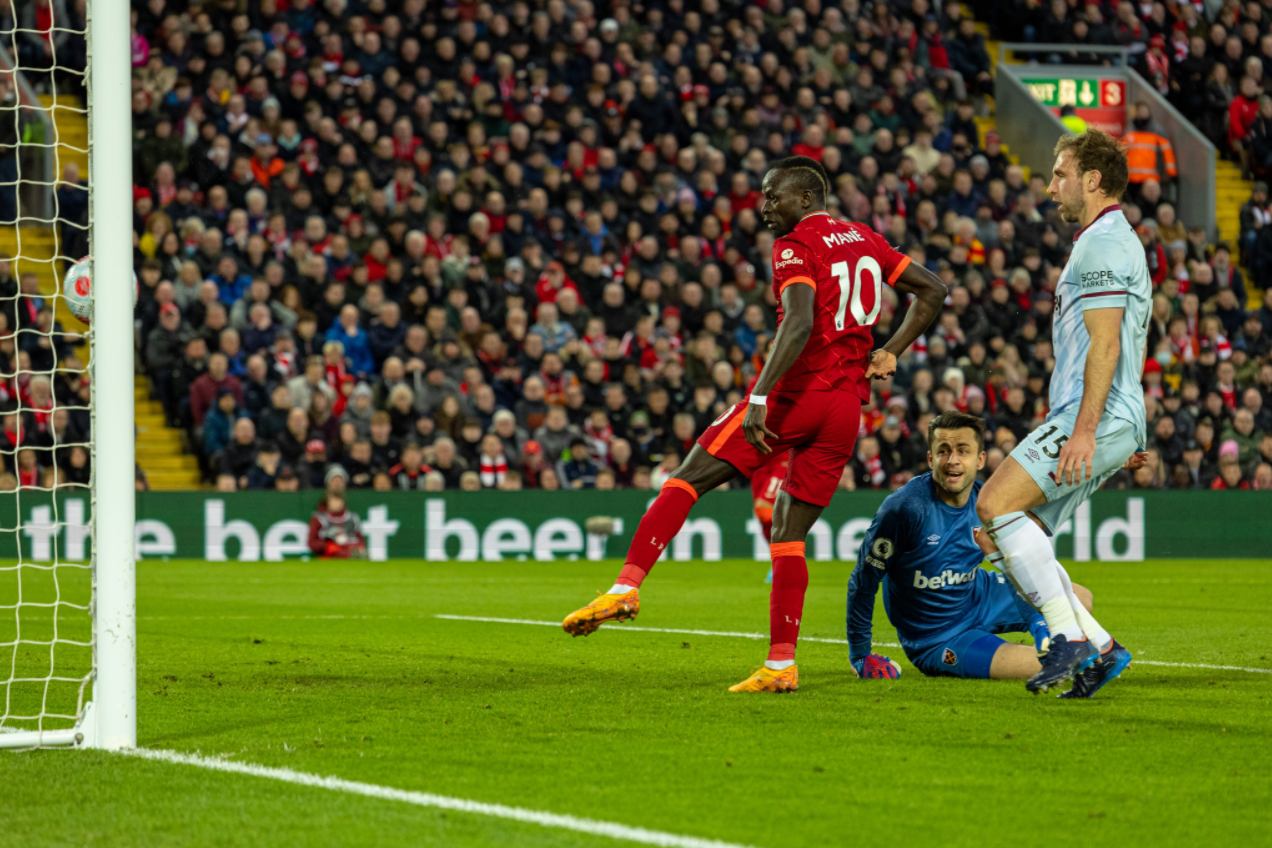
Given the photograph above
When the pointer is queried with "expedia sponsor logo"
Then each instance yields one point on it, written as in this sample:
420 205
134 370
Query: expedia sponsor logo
1096 279
945 578
785 262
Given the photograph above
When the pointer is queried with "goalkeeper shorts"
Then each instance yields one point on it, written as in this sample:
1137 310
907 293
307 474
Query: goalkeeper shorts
969 654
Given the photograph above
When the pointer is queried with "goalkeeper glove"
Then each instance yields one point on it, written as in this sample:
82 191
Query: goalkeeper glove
876 667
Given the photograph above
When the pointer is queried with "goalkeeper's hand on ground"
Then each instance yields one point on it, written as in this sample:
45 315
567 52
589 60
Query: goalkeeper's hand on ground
876 667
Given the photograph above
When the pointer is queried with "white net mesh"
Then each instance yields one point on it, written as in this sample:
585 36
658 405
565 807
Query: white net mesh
46 643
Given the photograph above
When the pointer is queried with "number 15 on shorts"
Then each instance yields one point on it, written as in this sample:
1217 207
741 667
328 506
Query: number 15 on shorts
1046 441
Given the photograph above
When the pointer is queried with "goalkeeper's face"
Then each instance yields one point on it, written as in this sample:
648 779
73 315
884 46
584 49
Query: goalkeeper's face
955 457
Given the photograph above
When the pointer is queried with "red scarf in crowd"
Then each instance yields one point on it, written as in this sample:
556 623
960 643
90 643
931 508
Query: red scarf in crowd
874 467
494 470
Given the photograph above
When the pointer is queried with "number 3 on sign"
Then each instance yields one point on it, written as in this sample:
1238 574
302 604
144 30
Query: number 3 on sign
865 265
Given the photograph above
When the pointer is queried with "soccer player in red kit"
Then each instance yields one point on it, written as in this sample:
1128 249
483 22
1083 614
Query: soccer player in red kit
828 278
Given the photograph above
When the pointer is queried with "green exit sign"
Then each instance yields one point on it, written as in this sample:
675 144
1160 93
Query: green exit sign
1080 93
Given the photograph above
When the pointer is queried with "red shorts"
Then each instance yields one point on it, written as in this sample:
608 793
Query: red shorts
819 429
768 479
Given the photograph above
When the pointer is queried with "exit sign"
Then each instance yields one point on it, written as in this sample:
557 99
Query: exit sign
1100 102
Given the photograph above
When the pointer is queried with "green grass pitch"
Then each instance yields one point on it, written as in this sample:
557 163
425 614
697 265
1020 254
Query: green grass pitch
343 669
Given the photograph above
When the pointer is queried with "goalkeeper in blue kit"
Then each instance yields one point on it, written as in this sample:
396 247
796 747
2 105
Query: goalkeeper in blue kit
948 611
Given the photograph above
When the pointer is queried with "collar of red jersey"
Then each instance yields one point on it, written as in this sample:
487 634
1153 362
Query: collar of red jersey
811 215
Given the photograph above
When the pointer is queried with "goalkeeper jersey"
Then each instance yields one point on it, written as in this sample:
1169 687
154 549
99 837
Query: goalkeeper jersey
924 552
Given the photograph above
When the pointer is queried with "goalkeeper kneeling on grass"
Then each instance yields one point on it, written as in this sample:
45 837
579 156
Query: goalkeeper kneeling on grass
334 530
922 545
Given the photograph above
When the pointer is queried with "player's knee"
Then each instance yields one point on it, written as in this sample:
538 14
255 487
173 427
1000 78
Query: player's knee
986 508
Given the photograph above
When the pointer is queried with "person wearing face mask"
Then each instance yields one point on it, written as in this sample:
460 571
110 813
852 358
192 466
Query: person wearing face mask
1149 154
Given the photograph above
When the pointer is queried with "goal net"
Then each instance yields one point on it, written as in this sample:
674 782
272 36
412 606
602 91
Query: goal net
67 635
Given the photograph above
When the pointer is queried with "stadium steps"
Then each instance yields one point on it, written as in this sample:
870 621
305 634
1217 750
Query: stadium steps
37 248
984 125
160 449
70 128
1231 190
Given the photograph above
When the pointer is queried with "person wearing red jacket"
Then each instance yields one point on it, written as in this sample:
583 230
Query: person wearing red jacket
335 531
553 282
203 390
265 162
1242 112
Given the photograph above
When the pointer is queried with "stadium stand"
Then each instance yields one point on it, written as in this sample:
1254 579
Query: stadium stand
397 242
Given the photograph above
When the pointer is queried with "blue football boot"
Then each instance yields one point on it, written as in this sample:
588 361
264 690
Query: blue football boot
1110 664
1063 660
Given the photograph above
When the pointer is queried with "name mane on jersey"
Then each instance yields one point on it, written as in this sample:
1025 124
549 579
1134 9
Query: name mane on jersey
846 237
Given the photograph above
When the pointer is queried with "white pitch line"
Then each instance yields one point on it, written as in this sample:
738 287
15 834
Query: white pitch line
1204 665
613 830
632 628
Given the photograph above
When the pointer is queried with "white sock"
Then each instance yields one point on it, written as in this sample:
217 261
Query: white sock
619 589
1029 560
778 665
1097 634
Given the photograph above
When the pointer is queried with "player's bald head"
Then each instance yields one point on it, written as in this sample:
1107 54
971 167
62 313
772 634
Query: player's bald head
801 174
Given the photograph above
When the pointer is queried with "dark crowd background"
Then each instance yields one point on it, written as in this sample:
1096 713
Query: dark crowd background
502 245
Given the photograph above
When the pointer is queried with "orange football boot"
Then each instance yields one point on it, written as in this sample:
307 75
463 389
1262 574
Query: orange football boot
583 621
768 680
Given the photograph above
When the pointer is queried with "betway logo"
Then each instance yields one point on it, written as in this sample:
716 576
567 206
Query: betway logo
945 578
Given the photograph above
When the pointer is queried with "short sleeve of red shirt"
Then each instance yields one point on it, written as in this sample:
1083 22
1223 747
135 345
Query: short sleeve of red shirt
792 263
892 260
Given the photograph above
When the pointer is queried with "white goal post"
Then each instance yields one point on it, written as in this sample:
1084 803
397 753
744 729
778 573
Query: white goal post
106 709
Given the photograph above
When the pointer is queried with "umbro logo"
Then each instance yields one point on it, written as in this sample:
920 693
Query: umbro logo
1033 454
933 539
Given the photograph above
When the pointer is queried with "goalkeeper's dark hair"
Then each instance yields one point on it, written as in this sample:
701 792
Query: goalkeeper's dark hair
805 174
954 420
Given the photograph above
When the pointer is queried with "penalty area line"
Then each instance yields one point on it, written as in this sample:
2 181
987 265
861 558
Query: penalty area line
626 628
631 628
612 830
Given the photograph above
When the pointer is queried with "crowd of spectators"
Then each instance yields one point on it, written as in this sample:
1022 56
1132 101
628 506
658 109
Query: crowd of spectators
413 245
1209 59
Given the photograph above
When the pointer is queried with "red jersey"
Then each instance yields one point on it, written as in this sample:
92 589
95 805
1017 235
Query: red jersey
847 265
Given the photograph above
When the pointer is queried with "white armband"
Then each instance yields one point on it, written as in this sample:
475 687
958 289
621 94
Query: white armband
759 400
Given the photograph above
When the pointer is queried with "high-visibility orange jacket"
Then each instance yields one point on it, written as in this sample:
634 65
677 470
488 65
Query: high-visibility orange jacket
1149 156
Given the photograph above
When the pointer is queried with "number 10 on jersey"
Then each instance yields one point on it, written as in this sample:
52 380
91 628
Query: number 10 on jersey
867 265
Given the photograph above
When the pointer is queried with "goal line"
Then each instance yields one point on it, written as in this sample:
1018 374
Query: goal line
594 827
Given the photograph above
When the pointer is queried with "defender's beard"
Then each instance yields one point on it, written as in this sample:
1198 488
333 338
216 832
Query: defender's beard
1071 211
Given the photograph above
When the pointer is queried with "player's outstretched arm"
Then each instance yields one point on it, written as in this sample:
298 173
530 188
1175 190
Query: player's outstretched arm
1078 453
862 588
872 562
798 301
929 295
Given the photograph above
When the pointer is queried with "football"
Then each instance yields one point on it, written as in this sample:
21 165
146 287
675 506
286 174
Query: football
77 288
